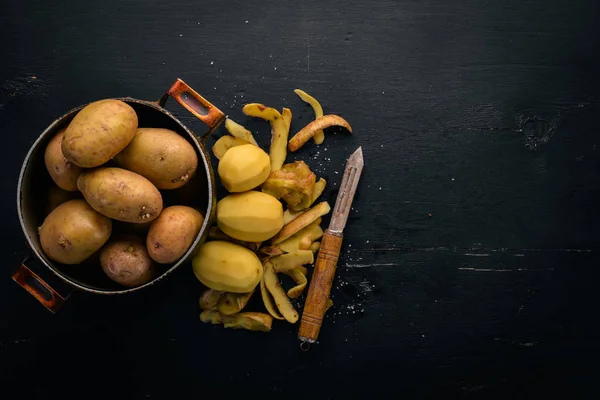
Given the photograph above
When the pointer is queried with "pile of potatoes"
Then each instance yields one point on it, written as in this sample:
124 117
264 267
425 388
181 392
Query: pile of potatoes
255 238
108 175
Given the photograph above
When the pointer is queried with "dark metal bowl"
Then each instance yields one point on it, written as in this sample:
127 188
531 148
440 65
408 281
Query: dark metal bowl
34 183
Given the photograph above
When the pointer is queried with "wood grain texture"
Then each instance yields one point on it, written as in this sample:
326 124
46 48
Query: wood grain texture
470 261
320 287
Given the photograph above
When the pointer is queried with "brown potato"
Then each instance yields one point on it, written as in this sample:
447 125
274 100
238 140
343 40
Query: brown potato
73 232
99 132
63 172
57 196
126 261
121 194
172 233
162 156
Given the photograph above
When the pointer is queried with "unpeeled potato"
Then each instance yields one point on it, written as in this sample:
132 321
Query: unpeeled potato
172 233
162 156
121 194
126 261
99 132
63 172
74 231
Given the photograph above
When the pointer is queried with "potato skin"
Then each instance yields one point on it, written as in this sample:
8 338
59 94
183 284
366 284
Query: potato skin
126 261
99 132
172 233
162 156
120 194
63 172
74 231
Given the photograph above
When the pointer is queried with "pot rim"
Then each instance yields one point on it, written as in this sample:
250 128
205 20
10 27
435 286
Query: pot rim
202 234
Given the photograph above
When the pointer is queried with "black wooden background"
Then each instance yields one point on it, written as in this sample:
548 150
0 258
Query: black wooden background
470 264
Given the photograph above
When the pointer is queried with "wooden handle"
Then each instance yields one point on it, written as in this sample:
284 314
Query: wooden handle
320 286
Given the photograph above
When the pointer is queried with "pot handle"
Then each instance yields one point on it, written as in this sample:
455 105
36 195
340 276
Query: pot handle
181 92
38 288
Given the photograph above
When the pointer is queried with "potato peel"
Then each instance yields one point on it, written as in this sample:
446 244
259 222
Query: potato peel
225 143
279 131
282 301
268 300
294 183
211 316
290 215
319 135
238 131
300 279
286 262
301 222
209 299
309 130
232 303
315 246
318 190
251 321
287 117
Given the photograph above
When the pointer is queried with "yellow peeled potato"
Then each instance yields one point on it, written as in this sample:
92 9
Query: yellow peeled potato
74 231
162 156
243 168
63 172
227 267
172 233
99 132
250 216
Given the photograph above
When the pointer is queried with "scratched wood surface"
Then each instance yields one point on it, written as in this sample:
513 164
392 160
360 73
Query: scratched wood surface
470 262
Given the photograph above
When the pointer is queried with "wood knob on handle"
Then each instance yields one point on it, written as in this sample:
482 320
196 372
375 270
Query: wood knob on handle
320 286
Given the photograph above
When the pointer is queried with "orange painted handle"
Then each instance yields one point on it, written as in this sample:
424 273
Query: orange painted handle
320 286
181 92
39 289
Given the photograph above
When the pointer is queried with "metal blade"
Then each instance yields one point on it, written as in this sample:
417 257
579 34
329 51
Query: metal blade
343 204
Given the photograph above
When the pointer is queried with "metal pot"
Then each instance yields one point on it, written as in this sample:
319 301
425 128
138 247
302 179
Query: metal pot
34 182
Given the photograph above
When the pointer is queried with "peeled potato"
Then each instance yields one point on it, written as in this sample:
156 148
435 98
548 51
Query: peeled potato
244 168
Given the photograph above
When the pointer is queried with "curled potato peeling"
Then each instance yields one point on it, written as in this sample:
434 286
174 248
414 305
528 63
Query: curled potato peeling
211 316
232 303
309 130
251 321
314 247
268 300
225 143
318 190
238 131
319 136
287 117
329 304
282 302
279 131
209 299
294 183
300 279
301 222
290 215
289 261
299 241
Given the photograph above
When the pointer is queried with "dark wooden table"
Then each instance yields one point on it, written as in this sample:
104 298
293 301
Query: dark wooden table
470 264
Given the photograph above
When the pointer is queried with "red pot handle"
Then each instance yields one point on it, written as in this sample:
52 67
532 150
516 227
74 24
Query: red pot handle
210 115
38 288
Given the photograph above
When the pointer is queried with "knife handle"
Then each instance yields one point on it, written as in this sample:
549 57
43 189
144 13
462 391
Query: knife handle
320 286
